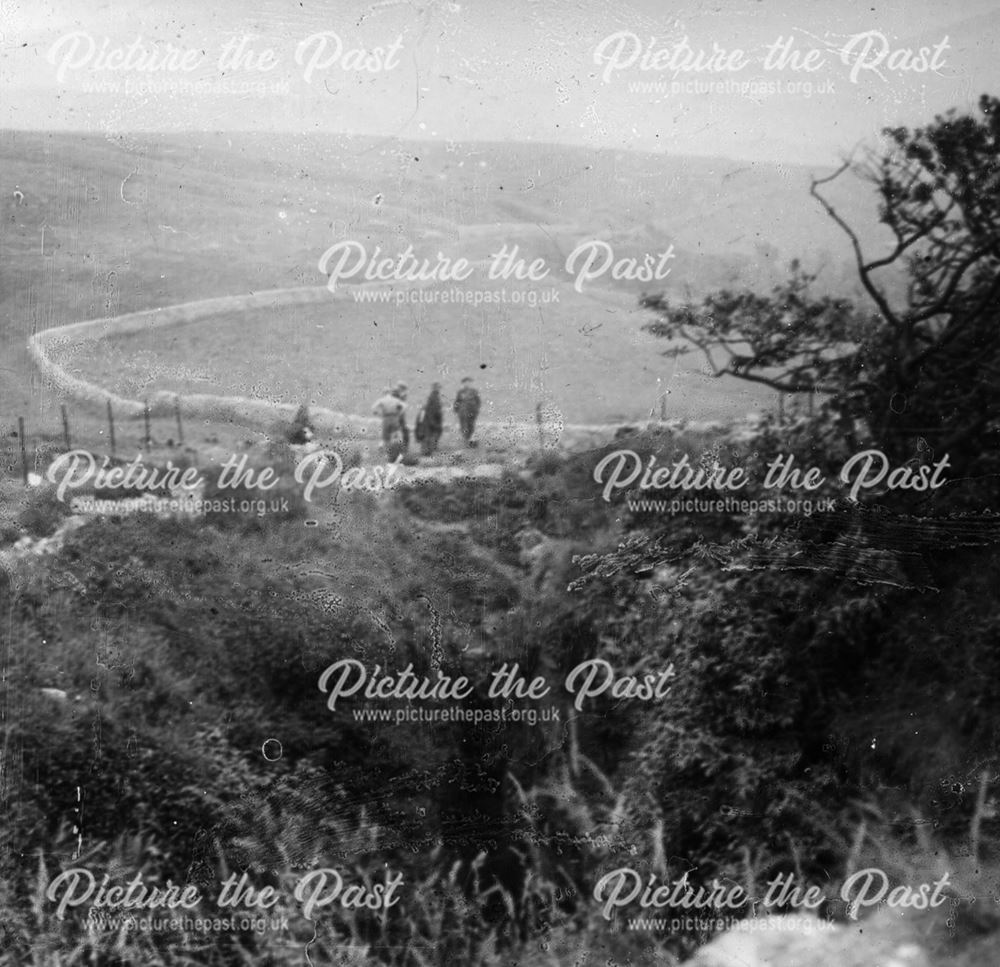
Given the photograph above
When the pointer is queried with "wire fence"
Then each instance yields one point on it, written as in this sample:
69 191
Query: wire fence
26 453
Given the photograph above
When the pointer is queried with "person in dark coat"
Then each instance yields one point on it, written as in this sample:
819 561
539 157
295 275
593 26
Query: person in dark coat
467 406
400 392
301 431
430 422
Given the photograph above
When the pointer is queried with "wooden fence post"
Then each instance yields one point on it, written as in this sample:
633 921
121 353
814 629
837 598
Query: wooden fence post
65 421
180 428
111 426
24 451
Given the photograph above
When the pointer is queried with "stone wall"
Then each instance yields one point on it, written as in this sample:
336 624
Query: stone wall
549 432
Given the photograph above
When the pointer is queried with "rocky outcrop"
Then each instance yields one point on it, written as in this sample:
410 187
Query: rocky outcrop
887 939
39 547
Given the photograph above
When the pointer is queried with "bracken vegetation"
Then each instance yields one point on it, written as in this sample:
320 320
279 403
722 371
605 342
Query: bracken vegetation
837 676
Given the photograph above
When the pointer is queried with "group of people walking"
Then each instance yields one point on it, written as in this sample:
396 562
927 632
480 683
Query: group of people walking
391 408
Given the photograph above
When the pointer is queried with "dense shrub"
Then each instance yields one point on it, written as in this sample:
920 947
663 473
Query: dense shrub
183 645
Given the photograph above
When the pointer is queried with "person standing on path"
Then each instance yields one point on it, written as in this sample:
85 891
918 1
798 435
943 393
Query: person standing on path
430 422
399 391
389 408
467 405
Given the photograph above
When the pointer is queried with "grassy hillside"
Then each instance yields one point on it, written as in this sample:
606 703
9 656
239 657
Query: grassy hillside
583 356
92 227
181 648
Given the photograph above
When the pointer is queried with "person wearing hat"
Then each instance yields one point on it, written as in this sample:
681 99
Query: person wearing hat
390 408
467 405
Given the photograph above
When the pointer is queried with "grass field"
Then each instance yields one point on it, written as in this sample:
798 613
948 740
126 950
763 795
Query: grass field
583 357
95 226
